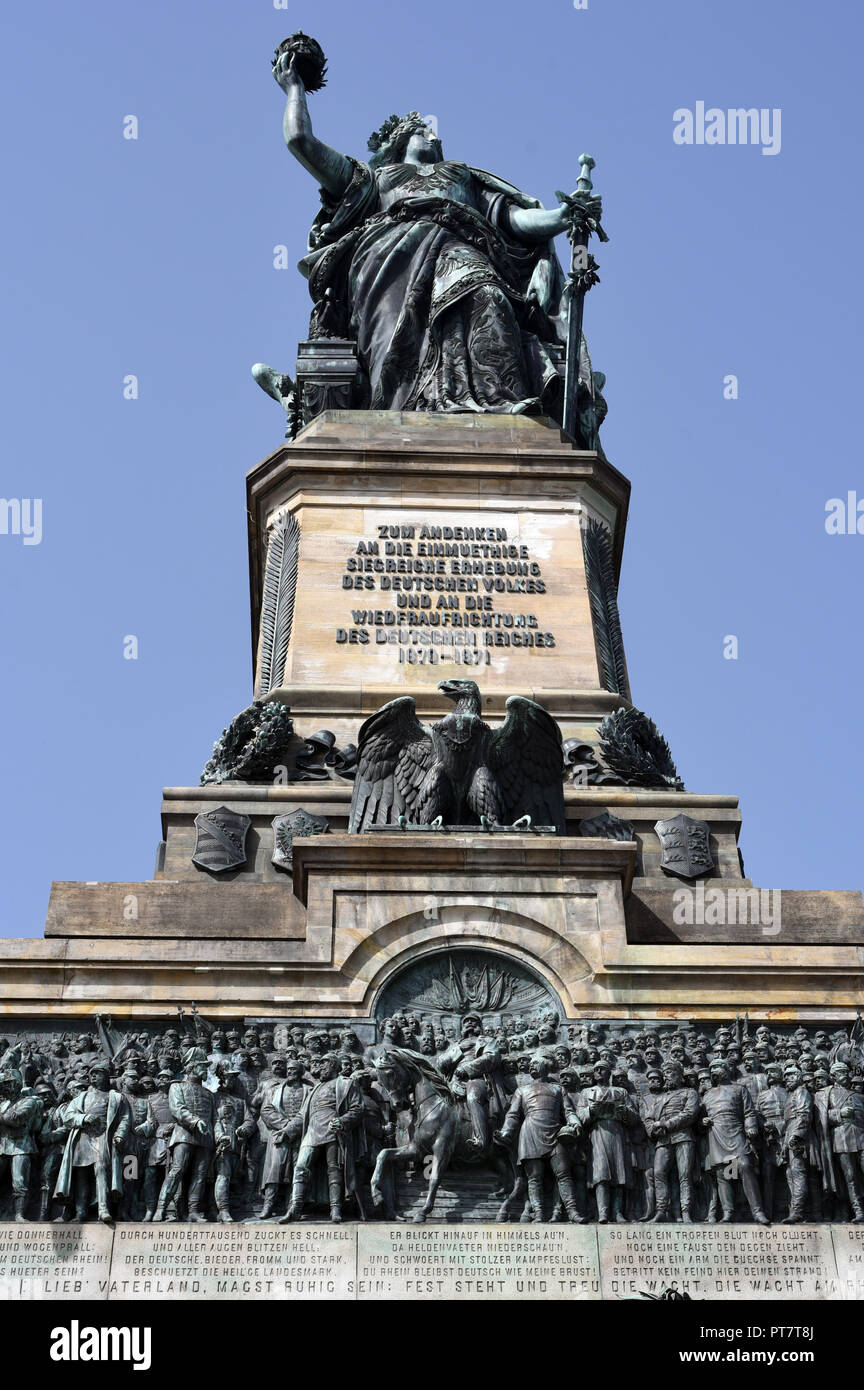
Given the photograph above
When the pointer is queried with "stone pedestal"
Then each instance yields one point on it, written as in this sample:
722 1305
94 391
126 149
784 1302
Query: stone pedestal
432 547
388 552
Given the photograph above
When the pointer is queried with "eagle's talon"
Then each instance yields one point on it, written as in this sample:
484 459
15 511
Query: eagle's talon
523 823
403 821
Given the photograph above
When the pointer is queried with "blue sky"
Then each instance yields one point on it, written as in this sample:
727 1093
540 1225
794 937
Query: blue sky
155 257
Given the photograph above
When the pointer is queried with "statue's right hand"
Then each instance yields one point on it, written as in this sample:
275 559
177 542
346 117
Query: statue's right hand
286 73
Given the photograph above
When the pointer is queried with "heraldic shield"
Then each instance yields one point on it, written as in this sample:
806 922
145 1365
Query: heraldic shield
686 846
296 825
221 842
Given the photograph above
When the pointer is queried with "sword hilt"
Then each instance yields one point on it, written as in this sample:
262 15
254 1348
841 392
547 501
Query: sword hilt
586 164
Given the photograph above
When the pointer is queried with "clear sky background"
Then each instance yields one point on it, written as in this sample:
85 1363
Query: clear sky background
155 257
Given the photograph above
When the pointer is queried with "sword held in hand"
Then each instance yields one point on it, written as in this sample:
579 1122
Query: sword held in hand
584 210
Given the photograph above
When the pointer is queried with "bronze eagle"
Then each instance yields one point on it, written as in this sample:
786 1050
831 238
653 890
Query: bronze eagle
458 771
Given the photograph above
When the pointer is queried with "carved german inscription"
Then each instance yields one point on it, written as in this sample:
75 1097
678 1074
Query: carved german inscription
445 594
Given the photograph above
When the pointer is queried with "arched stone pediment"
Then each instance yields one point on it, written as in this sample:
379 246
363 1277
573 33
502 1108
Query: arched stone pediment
531 948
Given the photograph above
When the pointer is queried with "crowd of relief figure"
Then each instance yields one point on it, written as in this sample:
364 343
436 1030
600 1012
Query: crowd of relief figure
561 1121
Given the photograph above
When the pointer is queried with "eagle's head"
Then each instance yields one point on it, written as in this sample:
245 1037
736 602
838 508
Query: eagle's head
464 694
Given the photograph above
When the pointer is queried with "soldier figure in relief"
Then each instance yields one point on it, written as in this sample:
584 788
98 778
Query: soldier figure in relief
282 1114
669 1111
730 1119
846 1123
98 1123
192 1140
155 1132
20 1121
233 1129
607 1112
374 1133
800 1144
331 1110
135 1146
771 1108
537 1114
479 1067
51 1139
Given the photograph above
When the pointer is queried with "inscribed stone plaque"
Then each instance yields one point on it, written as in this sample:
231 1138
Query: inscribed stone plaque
849 1250
54 1262
508 1262
725 1262
213 1261
415 593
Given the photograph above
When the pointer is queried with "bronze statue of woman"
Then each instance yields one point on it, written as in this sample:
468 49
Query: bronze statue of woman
445 275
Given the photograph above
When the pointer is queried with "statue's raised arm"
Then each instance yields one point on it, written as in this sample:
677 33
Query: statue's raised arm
440 278
298 61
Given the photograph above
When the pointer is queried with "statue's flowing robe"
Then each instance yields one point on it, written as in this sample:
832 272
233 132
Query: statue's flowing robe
450 311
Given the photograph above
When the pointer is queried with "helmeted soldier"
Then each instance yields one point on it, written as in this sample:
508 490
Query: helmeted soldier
730 1118
192 1140
537 1115
331 1110
282 1115
98 1123
21 1113
669 1112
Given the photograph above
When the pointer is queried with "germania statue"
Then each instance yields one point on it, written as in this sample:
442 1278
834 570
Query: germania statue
444 276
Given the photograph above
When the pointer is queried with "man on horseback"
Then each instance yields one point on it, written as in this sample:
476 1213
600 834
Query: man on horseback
476 1061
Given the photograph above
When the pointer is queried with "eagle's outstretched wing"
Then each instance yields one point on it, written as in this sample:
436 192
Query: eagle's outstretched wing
394 754
527 758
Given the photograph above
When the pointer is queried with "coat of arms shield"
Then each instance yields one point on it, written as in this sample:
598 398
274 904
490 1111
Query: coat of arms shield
686 846
294 826
221 842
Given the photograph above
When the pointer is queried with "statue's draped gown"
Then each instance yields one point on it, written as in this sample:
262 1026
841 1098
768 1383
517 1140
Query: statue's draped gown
449 311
